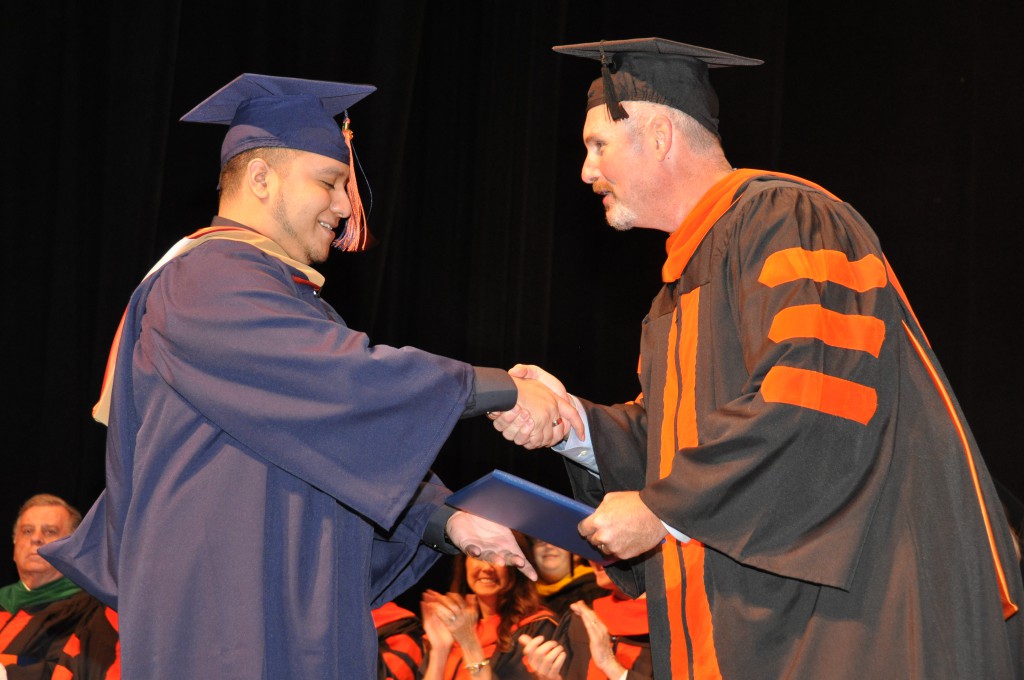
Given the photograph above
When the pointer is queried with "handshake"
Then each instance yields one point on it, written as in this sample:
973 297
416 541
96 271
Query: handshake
543 414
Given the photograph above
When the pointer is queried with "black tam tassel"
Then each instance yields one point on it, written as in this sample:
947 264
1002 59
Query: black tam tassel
610 98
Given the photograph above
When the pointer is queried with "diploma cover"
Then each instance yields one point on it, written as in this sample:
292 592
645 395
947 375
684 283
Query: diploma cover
530 508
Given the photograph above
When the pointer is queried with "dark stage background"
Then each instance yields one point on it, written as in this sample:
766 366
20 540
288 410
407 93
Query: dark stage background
492 250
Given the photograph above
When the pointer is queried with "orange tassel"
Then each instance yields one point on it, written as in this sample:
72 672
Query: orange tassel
356 236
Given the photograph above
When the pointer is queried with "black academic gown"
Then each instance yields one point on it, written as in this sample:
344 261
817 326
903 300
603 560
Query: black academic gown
796 424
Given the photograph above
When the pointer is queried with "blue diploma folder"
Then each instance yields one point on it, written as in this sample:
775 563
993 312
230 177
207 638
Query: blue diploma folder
530 508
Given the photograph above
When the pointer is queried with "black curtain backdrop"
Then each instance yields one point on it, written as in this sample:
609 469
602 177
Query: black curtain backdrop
492 250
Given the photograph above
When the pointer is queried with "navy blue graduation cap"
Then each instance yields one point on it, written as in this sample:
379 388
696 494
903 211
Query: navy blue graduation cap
656 70
290 113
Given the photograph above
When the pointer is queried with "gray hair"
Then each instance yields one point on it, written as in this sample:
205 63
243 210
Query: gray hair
701 141
46 499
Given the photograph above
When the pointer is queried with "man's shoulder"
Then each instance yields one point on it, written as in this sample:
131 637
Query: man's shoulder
228 251
784 184
224 260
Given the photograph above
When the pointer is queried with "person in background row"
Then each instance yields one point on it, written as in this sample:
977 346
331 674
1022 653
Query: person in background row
268 469
473 630
611 640
562 577
399 643
49 627
796 488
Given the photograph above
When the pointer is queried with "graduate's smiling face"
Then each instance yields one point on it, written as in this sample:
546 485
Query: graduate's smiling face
308 203
37 526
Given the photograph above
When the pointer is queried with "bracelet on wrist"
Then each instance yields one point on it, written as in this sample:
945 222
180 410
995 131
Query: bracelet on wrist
474 668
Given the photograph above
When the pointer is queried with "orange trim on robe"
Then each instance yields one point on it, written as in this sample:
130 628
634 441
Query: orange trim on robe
1009 608
11 628
846 331
61 673
683 242
820 392
73 647
670 548
793 264
487 634
623 619
686 595
903 296
114 672
101 410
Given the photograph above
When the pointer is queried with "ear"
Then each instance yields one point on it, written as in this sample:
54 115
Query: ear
259 177
661 136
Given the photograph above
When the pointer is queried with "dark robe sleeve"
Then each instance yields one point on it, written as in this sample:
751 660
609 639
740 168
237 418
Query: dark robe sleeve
509 665
95 649
620 447
400 557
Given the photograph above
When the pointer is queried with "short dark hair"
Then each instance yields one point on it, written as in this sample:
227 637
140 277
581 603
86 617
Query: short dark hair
47 499
231 173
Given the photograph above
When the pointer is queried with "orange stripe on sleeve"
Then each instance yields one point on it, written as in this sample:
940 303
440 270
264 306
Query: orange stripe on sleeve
13 627
114 672
847 331
73 647
820 392
793 264
1009 608
61 673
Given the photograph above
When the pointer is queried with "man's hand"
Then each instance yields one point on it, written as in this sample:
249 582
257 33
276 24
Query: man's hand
622 526
543 412
488 541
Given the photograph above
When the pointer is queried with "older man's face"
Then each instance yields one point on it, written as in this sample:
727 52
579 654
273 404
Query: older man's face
38 526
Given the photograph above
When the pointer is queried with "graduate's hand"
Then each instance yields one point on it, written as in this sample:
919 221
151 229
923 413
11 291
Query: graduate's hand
543 412
488 541
543 657
623 526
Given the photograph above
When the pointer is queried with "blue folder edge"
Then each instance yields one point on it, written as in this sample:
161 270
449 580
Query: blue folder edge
530 508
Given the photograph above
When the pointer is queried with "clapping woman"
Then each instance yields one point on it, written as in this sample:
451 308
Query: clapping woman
473 630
